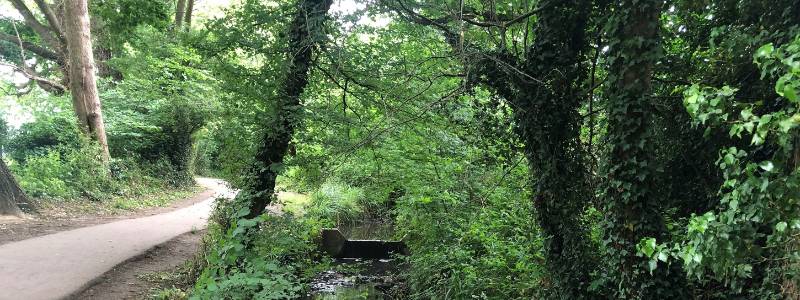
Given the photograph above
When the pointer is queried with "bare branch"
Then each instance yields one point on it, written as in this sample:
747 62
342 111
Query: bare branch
46 84
43 31
36 49
52 19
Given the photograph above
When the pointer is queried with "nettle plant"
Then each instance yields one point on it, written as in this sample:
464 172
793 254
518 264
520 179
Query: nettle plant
756 227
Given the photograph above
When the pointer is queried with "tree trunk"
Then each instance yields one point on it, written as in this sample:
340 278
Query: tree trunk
549 121
179 11
304 29
189 10
632 205
10 192
83 85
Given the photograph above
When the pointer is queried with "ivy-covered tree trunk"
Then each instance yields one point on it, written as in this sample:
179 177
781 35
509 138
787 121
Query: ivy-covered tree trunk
83 84
10 192
631 204
306 33
548 121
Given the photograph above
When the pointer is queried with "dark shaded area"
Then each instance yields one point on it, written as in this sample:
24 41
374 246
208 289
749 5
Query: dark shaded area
337 245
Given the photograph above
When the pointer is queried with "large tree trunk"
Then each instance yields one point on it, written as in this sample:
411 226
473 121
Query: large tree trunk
305 28
632 205
10 192
549 122
83 84
179 11
189 10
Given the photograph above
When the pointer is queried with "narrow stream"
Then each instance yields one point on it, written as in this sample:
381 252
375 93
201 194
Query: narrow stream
358 278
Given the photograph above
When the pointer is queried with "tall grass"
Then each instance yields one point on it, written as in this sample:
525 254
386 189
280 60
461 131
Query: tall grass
337 202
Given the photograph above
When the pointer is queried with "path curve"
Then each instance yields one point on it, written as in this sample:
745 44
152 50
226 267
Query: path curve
58 265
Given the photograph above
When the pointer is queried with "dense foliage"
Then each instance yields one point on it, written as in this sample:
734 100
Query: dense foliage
521 149
160 98
543 149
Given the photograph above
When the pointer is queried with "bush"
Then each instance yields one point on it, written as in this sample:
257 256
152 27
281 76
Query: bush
48 131
278 264
64 173
41 176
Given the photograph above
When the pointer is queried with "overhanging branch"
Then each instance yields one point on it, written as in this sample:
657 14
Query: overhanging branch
36 49
46 84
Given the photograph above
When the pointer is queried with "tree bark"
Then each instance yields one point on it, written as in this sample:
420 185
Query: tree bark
303 32
180 9
189 10
83 84
632 204
548 118
10 192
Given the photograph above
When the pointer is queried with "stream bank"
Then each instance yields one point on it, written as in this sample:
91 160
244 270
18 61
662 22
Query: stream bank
356 278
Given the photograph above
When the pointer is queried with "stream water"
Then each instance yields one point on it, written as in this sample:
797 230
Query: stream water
358 278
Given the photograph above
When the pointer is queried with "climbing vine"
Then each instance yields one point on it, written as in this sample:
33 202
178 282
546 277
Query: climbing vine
631 206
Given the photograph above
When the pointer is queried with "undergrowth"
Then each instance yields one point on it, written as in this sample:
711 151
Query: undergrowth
268 257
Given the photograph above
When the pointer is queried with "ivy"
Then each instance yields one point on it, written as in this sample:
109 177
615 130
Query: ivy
631 205
756 225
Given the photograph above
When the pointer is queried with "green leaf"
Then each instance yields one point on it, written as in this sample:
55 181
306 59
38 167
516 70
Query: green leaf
749 126
757 139
765 50
746 113
662 256
648 246
780 227
786 125
767 165
790 93
779 85
242 212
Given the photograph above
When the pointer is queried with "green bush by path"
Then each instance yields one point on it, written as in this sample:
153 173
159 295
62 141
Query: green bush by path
278 264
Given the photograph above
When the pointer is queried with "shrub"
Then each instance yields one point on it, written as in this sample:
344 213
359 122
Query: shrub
470 250
64 173
41 176
48 131
278 264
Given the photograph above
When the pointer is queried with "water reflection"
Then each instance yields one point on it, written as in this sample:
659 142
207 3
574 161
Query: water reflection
361 291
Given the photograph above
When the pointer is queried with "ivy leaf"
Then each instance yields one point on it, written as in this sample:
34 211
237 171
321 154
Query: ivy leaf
765 50
746 113
767 166
790 93
662 256
652 264
749 126
786 125
757 139
780 227
780 84
648 246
